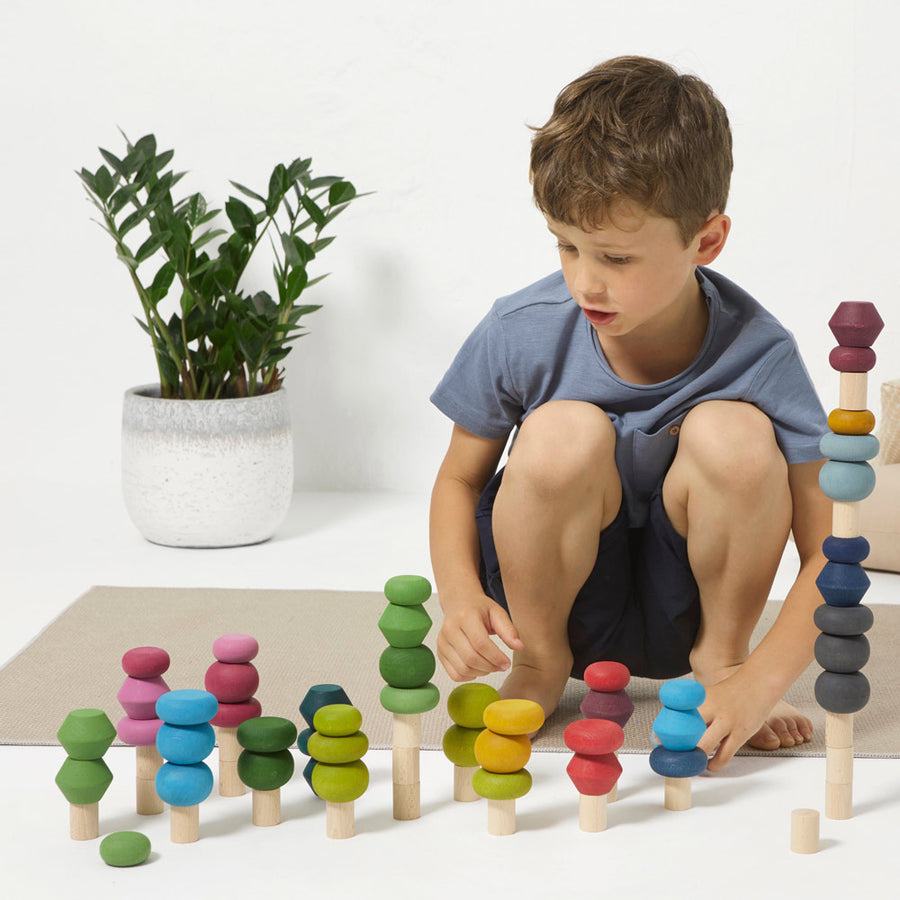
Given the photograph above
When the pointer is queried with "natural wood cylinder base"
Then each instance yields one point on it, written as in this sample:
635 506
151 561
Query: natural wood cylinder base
405 764
592 813
267 808
838 765
407 804
84 821
805 831
147 763
678 794
339 820
230 784
184 824
501 817
462 784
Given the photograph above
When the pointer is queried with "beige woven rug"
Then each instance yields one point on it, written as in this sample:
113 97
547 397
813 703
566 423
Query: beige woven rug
310 637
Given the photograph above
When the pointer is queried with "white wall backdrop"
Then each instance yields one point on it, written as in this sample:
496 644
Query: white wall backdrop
425 103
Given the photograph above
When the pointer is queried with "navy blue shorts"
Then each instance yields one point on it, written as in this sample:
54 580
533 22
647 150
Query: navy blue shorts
639 606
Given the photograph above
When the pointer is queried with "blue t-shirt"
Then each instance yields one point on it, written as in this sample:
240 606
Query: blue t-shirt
536 345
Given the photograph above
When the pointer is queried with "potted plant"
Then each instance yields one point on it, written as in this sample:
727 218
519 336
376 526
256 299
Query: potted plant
207 458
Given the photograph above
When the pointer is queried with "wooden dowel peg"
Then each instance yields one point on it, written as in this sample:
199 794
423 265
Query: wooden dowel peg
147 763
845 519
405 762
184 824
84 821
230 784
339 820
267 808
854 388
592 812
462 784
501 817
805 831
678 794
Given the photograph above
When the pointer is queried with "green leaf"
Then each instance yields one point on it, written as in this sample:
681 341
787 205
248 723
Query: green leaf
146 146
162 281
248 193
242 218
298 167
114 162
304 250
324 181
296 283
104 182
208 236
126 257
341 192
313 210
151 245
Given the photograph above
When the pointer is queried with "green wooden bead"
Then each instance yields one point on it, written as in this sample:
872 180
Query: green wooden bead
467 703
125 848
498 786
340 784
407 667
86 734
404 626
408 701
337 720
266 734
407 590
459 745
265 771
84 781
337 750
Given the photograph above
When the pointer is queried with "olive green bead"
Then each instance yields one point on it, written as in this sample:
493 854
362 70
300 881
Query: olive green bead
84 781
407 667
337 720
266 734
408 701
467 703
499 786
340 784
459 745
337 750
125 848
404 626
407 590
265 771
86 734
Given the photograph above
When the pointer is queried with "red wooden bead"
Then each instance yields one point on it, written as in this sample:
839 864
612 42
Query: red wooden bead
145 662
230 715
852 359
232 682
607 676
856 323
594 776
593 737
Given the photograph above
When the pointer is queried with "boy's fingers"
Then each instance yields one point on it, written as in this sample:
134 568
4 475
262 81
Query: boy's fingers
489 653
502 626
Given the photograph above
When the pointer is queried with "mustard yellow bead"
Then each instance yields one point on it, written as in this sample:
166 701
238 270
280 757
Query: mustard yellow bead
502 752
513 716
851 421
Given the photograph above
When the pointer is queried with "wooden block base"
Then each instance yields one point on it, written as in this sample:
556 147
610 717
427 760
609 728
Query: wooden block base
407 803
267 808
678 794
405 763
838 765
838 801
805 831
230 784
339 820
462 784
501 817
592 813
184 824
147 764
84 821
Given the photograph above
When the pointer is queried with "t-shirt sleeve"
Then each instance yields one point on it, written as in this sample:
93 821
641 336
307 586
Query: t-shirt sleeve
477 391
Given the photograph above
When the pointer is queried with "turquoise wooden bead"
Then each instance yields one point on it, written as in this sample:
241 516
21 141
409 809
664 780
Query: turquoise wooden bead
682 693
849 447
185 744
188 707
679 729
184 785
847 482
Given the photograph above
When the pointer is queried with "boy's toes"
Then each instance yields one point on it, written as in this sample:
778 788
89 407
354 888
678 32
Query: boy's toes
766 739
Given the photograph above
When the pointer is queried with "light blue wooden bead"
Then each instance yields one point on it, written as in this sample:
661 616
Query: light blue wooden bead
185 744
184 785
849 447
847 481
679 729
189 707
682 693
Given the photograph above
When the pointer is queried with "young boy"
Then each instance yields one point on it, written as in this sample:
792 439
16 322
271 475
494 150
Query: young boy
667 432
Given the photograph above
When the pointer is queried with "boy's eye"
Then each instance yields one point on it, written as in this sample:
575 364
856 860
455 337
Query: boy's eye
618 260
565 248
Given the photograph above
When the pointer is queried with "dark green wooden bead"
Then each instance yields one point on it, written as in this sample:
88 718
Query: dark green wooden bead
266 734
501 786
409 701
404 626
467 703
338 750
86 734
265 771
459 745
408 667
337 720
320 695
125 848
340 784
84 781
407 590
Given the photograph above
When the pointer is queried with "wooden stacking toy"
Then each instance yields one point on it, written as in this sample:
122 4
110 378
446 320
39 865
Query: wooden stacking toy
317 696
595 768
184 740
846 478
85 735
607 698
144 685
232 679
502 750
465 706
266 764
678 727
340 777
407 666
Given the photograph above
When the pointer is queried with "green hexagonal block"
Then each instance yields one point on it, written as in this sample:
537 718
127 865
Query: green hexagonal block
407 590
86 734
84 781
265 771
408 701
338 750
404 626
407 667
501 786
340 784
459 745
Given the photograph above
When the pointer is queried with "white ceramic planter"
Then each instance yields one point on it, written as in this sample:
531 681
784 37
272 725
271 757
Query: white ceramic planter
206 473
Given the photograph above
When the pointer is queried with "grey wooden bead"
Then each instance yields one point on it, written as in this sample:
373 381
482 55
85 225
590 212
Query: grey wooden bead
843 620
842 693
842 654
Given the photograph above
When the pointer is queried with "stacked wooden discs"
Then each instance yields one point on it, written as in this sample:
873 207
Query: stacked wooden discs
316 697
502 750
266 764
846 478
465 706
594 769
407 666
144 685
678 727
232 679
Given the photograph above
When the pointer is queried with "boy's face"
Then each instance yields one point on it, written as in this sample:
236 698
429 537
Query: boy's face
633 275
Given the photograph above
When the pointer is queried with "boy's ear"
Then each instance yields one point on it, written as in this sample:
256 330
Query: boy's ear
712 237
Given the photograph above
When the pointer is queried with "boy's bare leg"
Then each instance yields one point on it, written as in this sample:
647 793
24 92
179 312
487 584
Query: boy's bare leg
560 489
727 492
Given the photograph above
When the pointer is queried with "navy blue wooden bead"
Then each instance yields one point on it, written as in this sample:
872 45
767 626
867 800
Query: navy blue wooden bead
677 764
842 584
320 695
842 654
843 620
842 693
849 447
845 550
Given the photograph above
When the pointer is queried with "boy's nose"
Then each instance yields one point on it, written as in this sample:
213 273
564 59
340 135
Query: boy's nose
588 282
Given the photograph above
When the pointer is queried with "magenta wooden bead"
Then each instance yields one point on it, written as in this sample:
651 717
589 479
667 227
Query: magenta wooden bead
607 676
138 732
852 359
145 662
232 682
138 696
593 737
235 648
856 323
616 706
230 715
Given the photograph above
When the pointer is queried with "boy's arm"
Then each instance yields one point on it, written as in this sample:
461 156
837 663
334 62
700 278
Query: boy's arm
464 646
737 707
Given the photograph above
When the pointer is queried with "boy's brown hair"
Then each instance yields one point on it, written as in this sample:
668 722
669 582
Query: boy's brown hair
634 129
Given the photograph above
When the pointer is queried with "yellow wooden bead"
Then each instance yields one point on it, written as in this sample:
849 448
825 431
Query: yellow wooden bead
851 421
502 752
513 716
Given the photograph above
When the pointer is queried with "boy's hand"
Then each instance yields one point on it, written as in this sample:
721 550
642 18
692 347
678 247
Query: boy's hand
464 645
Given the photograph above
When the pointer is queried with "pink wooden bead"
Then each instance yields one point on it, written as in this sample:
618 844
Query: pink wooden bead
145 662
607 676
232 682
138 696
592 737
235 648
856 323
852 359
230 715
138 732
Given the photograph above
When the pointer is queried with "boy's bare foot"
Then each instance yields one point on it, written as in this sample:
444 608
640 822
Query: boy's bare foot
526 682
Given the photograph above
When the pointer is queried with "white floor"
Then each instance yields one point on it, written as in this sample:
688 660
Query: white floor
58 540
